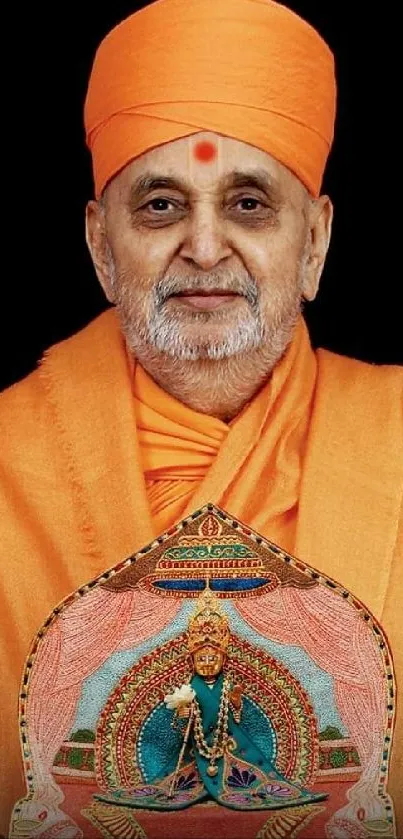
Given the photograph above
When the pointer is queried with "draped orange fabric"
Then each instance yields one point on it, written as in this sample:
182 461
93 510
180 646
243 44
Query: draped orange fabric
179 446
248 69
314 462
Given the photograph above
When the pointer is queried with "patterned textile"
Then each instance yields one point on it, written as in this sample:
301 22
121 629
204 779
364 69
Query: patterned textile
308 746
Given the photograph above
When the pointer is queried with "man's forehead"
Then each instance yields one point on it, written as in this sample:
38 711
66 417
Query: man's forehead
205 161
220 145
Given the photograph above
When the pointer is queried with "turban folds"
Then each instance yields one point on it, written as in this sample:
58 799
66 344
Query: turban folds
248 69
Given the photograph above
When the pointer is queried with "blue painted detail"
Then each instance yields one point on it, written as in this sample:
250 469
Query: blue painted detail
216 584
238 583
180 585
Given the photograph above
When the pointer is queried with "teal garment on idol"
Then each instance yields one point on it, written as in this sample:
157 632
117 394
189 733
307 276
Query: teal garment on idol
246 778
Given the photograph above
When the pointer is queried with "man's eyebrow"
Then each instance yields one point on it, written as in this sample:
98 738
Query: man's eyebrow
256 178
253 178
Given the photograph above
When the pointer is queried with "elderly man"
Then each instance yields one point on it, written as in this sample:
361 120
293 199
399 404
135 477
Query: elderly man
209 124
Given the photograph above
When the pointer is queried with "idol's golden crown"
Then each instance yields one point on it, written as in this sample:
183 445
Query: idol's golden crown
208 625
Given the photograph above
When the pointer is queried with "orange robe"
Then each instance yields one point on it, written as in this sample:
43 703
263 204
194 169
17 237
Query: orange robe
90 474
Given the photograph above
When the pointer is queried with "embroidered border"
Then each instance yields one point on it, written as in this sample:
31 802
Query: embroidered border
114 822
289 824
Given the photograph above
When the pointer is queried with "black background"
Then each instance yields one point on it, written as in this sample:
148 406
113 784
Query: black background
49 289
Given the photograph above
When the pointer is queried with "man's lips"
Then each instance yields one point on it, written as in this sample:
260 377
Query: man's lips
206 299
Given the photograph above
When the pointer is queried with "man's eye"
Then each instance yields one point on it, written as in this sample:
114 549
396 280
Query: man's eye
158 204
247 202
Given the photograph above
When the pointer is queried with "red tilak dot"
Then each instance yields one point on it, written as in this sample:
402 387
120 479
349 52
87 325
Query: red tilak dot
205 151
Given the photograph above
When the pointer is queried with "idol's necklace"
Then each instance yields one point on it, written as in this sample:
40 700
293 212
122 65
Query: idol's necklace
221 737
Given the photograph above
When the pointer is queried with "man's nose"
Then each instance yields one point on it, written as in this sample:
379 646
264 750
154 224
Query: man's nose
205 242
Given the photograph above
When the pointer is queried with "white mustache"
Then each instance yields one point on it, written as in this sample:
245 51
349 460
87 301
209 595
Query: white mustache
169 286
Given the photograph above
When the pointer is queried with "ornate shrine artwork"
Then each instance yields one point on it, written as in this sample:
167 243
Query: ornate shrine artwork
209 686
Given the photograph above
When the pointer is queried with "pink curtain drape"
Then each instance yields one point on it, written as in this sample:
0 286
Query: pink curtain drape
338 641
77 644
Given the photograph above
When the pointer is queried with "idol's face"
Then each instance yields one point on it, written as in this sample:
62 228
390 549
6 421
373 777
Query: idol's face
208 662
206 256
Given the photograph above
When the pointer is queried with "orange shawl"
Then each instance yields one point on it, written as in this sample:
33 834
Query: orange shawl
262 449
314 462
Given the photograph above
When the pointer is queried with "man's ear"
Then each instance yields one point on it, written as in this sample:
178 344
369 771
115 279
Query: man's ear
97 242
320 228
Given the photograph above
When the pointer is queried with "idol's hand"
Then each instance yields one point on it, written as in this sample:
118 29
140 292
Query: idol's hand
235 696
183 711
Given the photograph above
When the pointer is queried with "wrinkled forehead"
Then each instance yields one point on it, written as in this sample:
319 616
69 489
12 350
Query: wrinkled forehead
207 161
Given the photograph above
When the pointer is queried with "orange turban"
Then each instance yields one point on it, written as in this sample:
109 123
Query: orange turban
248 69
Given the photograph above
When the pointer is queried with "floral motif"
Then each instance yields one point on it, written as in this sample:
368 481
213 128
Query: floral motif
144 792
187 786
186 782
278 791
240 778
